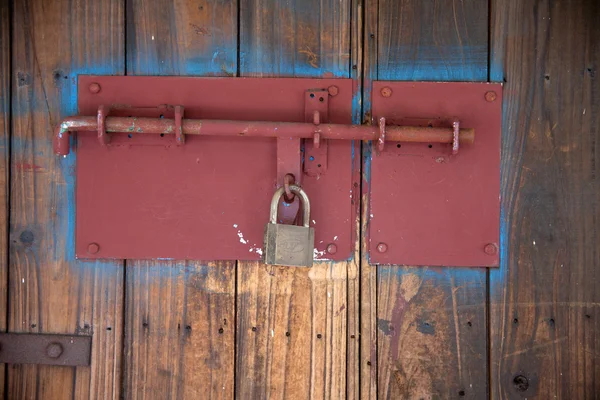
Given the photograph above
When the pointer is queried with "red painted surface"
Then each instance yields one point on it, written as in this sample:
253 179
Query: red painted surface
144 197
427 206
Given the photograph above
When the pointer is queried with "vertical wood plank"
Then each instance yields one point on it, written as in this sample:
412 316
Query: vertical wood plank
4 166
180 316
292 326
353 294
545 330
431 322
50 291
368 273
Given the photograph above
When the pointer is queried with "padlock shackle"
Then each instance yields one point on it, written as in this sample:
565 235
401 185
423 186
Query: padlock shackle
305 204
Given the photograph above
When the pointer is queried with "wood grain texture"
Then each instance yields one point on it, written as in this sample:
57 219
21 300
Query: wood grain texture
545 313
435 40
49 291
4 167
297 349
368 273
431 322
180 316
353 359
180 330
182 37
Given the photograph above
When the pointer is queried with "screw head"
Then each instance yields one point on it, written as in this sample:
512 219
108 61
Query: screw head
382 247
490 249
331 248
386 91
54 350
93 248
333 90
490 96
94 87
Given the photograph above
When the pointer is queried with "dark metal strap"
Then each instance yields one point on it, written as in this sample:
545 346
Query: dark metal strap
26 348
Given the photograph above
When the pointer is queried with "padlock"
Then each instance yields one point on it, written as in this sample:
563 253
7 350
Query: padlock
289 245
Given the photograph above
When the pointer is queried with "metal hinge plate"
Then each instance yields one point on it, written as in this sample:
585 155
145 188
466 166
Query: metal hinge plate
30 348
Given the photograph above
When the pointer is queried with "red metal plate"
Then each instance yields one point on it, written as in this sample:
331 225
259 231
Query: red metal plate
144 197
428 207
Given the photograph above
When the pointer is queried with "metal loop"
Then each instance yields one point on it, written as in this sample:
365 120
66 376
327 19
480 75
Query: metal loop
305 204
179 137
103 137
455 135
381 138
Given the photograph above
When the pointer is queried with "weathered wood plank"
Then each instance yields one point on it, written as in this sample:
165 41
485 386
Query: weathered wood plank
180 330
433 40
368 273
49 291
180 316
4 166
297 348
431 322
353 294
545 337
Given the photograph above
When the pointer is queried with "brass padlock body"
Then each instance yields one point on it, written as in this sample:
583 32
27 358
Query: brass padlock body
289 245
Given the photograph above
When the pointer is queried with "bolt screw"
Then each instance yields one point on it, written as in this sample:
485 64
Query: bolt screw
521 383
331 248
386 91
54 350
333 90
490 249
382 247
93 248
490 96
94 87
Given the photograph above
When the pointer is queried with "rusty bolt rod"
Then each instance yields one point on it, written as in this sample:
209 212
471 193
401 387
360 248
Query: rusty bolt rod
255 129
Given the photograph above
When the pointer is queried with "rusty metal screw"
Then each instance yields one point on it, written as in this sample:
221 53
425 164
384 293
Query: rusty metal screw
382 247
490 249
490 96
386 91
333 90
93 248
54 350
331 248
94 87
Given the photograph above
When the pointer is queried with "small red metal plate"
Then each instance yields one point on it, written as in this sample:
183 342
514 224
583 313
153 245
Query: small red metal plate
144 197
428 206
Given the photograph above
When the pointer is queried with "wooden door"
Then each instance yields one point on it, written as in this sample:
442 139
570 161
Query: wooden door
213 329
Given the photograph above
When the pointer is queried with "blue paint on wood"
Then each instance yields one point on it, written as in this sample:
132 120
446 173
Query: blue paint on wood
435 63
222 61
65 193
257 62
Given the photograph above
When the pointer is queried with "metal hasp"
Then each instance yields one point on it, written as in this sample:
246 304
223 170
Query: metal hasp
153 184
25 348
430 203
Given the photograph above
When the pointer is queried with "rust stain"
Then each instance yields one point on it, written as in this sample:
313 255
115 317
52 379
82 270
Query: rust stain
311 57
200 30
28 167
